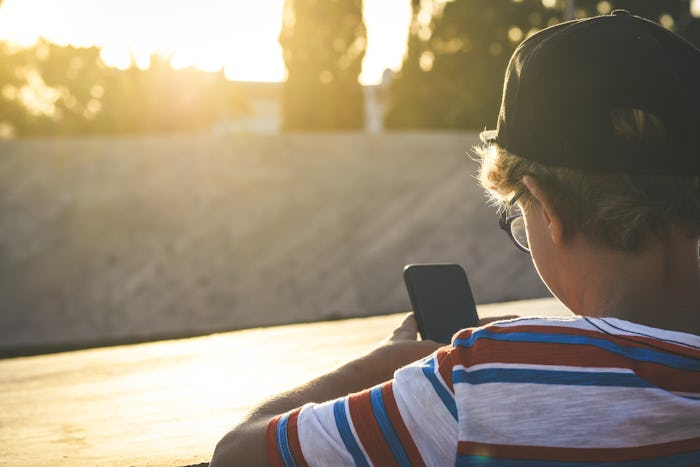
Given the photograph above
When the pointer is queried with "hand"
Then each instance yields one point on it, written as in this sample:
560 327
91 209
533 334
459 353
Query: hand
403 347
408 330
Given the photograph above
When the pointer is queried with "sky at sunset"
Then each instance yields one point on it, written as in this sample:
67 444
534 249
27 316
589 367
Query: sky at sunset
240 35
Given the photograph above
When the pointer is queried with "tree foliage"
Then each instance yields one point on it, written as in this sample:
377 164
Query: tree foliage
452 73
51 90
324 42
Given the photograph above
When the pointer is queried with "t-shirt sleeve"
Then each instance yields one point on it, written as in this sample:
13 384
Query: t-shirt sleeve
410 420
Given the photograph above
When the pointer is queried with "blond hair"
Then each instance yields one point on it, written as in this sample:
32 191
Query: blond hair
618 210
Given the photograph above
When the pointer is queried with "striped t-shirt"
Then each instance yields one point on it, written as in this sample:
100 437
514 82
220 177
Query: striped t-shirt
527 392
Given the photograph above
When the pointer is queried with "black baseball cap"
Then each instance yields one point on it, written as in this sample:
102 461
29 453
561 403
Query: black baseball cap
563 83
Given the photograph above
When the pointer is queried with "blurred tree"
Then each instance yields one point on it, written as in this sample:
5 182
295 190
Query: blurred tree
411 89
160 99
51 90
672 14
11 111
26 101
77 76
452 73
457 53
324 42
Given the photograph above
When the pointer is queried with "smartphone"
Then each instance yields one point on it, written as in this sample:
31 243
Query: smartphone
441 298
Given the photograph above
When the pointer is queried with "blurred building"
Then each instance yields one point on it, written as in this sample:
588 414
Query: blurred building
262 113
376 103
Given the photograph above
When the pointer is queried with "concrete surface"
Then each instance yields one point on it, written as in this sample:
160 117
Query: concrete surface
128 239
168 403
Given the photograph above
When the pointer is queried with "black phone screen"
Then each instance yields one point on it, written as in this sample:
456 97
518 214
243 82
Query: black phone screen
441 298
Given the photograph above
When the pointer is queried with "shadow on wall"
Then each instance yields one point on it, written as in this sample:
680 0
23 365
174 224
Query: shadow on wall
113 240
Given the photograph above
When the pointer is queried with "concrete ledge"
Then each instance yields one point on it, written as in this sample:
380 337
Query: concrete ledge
167 403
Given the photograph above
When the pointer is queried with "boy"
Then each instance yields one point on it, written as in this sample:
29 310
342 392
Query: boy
596 163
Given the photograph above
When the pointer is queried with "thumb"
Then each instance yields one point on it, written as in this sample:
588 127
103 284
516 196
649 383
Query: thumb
407 330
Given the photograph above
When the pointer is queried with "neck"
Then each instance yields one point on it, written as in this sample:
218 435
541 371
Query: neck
658 287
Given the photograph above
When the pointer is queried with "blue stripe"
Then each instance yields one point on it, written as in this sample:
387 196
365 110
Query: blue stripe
341 421
387 428
636 353
442 392
572 378
283 441
674 460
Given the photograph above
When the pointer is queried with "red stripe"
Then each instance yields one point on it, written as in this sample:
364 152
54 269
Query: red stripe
534 353
464 334
293 438
368 430
445 365
273 452
637 453
397 422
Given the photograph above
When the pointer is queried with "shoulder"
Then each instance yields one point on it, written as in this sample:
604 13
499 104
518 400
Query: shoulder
523 328
541 341
568 347
504 342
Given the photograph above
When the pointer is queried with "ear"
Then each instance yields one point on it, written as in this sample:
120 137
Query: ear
551 217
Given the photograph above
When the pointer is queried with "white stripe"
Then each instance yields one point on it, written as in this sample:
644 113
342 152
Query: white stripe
320 440
573 416
626 328
427 419
532 366
575 322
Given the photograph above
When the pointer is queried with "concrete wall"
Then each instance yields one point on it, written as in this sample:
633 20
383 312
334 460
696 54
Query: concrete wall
109 240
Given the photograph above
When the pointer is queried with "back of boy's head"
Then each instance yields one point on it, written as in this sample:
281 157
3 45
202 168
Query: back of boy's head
604 112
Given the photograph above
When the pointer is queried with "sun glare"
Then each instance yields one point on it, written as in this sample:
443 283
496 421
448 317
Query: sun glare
116 57
238 36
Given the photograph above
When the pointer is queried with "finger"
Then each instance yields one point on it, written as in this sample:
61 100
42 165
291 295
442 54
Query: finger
407 330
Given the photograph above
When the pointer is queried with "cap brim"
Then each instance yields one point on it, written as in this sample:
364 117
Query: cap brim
488 136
